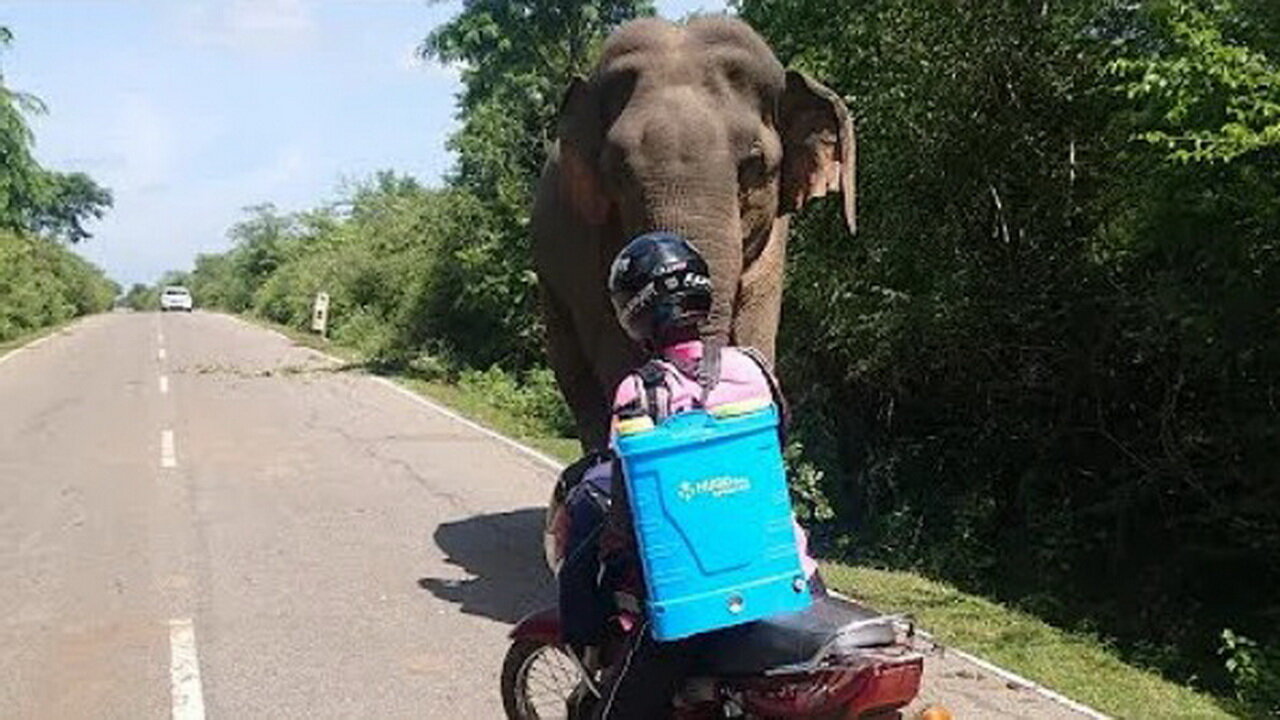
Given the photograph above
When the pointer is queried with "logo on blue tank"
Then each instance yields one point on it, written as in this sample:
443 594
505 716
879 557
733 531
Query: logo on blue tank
715 487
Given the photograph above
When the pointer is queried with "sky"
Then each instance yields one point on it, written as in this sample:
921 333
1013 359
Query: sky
192 110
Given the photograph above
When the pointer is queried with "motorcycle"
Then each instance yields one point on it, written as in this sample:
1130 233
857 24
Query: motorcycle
836 660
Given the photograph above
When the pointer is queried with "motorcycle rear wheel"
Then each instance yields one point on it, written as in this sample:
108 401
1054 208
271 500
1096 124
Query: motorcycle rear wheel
538 681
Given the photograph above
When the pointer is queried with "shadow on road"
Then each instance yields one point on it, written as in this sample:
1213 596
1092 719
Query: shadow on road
504 553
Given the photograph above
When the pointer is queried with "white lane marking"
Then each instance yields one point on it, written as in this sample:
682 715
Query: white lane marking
557 466
39 341
542 458
270 331
160 354
184 671
167 456
164 384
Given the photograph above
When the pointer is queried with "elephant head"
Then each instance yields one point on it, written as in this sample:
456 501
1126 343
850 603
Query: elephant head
699 130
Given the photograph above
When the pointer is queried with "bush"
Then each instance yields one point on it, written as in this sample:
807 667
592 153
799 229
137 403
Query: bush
535 396
43 283
408 270
1254 672
141 297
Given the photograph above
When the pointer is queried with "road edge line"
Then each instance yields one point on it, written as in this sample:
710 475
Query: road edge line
1017 679
46 335
546 460
556 465
1006 675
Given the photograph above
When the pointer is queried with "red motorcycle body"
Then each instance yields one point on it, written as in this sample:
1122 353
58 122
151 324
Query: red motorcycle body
876 678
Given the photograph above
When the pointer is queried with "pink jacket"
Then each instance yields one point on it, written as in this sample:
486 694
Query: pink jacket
741 380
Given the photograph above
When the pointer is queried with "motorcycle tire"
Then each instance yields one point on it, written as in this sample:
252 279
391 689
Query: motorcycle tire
557 673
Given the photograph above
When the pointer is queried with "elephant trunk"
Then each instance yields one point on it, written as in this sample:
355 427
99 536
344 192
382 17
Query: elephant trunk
707 215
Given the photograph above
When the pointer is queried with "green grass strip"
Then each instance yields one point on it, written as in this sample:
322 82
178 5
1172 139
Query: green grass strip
475 407
18 341
1079 666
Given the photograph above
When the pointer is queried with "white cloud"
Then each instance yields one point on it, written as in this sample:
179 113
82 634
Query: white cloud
252 26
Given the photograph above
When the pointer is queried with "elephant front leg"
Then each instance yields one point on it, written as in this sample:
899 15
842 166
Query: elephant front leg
574 375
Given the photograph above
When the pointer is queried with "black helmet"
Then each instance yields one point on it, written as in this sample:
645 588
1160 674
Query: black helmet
661 288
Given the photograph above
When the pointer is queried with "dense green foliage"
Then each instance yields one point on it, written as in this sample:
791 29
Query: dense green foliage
1058 326
1045 370
1216 99
141 297
405 287
517 57
31 197
42 282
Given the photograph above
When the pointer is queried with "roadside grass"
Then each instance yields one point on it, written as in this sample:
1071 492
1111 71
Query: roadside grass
13 343
1080 666
1077 665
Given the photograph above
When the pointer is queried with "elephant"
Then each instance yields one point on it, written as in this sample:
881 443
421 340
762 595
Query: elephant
689 128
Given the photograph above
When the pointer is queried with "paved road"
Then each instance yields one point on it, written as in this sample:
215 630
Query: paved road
196 515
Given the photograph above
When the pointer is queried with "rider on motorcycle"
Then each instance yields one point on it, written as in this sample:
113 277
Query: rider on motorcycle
661 290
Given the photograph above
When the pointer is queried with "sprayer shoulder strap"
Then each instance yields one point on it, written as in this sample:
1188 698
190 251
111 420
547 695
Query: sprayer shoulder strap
654 395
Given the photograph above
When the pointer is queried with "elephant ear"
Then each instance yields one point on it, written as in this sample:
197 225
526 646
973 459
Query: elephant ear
819 148
578 134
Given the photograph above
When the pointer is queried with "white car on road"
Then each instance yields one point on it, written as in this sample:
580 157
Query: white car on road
176 297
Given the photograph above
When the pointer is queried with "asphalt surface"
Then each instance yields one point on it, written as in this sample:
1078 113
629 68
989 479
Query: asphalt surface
265 534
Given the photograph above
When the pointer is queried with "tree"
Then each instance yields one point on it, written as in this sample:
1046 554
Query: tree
140 297
20 175
517 59
33 198
261 242
1045 367
67 201
1210 96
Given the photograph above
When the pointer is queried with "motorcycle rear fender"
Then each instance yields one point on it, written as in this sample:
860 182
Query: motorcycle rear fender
543 625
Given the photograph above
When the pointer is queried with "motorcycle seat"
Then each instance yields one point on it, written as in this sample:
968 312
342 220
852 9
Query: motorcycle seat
791 638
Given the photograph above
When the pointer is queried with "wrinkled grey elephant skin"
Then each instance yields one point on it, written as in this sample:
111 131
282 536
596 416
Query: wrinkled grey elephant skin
695 129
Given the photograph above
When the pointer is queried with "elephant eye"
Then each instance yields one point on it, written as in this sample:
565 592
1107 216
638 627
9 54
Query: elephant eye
752 167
